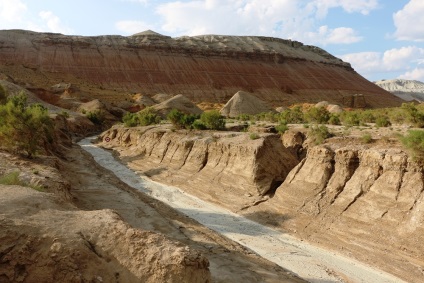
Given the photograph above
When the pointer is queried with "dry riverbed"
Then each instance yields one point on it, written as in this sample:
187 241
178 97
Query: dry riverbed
309 262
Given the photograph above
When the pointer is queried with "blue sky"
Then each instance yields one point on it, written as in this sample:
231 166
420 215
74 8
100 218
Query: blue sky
382 39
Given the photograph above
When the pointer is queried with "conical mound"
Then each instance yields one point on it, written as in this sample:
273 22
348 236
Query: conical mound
179 102
244 103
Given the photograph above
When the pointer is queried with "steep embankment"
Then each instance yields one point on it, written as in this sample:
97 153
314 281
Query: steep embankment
365 202
228 168
205 68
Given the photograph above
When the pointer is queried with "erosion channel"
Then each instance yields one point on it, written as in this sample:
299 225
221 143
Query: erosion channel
309 262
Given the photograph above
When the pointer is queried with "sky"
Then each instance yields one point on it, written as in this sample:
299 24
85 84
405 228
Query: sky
382 39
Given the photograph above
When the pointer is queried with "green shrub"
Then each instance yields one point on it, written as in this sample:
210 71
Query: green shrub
351 118
198 125
148 116
366 138
318 115
367 116
181 120
319 133
130 119
96 116
281 128
382 121
414 142
334 119
254 136
24 128
292 116
11 179
244 117
213 120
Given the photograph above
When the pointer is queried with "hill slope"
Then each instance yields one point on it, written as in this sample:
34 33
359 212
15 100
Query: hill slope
405 89
208 68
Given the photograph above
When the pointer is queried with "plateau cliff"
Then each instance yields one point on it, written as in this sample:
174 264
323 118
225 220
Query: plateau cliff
207 68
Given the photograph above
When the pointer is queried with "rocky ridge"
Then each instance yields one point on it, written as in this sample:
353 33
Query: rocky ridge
406 89
209 68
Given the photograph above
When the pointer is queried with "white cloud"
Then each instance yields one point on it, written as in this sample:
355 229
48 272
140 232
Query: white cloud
11 12
409 21
415 74
351 6
402 59
132 27
53 23
341 35
281 18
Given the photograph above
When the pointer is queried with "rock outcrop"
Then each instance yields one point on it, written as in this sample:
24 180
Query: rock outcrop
44 240
208 68
408 90
244 103
358 200
224 167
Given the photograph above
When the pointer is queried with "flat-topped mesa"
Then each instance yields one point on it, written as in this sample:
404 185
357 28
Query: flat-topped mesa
205 68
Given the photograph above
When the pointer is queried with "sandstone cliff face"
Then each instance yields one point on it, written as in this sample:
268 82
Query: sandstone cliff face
369 202
204 68
228 168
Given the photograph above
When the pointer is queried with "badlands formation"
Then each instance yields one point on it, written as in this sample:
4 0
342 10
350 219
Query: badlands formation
207 68
406 89
362 200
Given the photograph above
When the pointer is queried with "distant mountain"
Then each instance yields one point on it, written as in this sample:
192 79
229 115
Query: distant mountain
406 89
204 68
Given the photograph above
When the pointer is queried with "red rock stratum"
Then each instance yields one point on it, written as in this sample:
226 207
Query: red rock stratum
207 68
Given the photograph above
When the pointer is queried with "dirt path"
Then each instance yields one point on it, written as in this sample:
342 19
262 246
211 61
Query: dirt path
96 188
309 262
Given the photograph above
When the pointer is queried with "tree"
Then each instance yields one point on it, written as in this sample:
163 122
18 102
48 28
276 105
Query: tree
24 128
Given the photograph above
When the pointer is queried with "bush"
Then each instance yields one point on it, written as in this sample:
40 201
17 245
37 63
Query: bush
244 117
96 116
366 138
145 117
318 115
198 125
254 136
351 119
281 128
319 133
382 121
148 116
24 128
213 120
130 119
334 119
292 116
181 120
414 142
13 179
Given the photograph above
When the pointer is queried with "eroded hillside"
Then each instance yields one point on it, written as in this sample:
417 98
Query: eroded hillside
206 68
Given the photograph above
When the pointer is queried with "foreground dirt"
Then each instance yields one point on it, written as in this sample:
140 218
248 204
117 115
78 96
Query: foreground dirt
96 188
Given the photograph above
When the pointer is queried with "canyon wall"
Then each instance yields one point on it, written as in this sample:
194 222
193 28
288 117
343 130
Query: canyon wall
366 202
224 167
206 68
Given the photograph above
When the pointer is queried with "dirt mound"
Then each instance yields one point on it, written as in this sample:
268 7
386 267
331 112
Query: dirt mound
179 102
144 100
45 240
244 103
333 108
161 97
